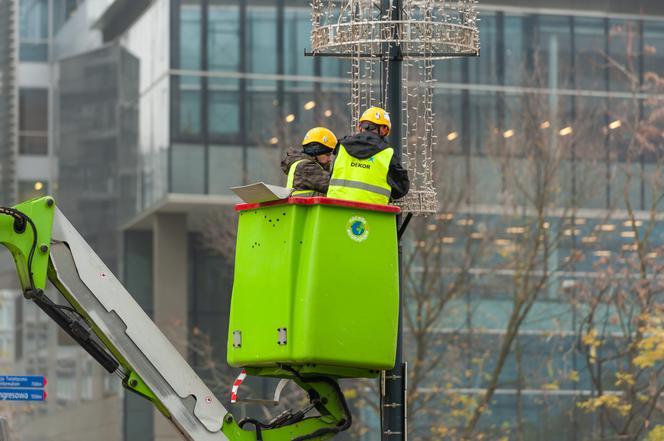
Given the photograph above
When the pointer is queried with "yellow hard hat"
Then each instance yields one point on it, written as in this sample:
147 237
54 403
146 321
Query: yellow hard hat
377 116
321 135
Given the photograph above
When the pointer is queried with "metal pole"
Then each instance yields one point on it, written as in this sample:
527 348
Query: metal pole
393 425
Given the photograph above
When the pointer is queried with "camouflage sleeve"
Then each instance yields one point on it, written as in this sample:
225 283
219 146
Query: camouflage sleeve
311 176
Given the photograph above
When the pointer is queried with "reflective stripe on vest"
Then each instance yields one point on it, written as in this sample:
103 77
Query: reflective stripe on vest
291 180
363 180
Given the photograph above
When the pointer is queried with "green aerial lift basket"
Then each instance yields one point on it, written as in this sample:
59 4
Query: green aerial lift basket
316 287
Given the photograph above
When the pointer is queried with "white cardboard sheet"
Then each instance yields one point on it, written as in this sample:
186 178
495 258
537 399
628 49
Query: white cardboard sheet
261 192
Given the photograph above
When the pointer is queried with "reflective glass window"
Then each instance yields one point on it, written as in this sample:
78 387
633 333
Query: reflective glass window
187 168
223 34
591 127
297 39
62 10
262 164
449 71
653 49
653 71
515 63
483 69
33 30
447 104
264 121
210 278
262 40
622 59
482 120
33 121
552 65
590 41
333 67
223 113
621 138
188 107
190 36
223 176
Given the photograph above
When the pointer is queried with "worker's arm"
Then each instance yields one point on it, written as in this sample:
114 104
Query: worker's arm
398 179
311 176
108 323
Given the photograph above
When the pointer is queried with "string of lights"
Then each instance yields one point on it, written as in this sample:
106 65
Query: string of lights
428 30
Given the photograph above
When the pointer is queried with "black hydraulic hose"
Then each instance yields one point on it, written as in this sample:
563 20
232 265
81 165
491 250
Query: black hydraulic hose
257 425
74 328
344 425
20 221
404 225
314 398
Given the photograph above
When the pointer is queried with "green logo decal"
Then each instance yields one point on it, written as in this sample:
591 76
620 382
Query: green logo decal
357 228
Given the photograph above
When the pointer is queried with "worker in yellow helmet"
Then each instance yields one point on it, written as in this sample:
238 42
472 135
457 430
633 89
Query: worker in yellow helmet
365 168
308 168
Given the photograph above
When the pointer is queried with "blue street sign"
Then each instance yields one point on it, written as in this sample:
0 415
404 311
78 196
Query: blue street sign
29 381
22 395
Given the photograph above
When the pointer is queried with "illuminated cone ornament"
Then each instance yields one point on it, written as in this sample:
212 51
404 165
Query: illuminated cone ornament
427 30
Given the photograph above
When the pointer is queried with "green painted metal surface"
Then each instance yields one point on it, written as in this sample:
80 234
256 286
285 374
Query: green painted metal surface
135 384
41 211
235 433
328 399
326 276
329 404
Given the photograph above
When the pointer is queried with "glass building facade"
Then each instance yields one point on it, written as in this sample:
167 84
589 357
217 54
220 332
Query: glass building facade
236 72
239 92
535 141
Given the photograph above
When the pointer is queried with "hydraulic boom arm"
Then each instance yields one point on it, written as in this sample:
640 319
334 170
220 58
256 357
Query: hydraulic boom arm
108 323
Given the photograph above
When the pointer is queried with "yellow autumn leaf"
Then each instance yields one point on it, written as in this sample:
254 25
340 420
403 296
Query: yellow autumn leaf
440 430
651 348
591 339
608 402
642 398
624 378
656 434
350 393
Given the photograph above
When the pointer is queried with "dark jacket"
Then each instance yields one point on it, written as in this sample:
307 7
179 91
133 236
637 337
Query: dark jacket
310 174
366 144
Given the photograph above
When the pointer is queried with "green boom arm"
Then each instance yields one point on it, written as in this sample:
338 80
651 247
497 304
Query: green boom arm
108 323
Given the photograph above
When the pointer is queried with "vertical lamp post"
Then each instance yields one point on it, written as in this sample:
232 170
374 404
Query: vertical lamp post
392 46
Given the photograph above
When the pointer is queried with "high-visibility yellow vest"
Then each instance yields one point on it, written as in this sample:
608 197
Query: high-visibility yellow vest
362 180
291 180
